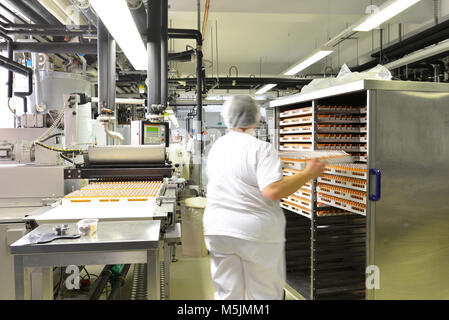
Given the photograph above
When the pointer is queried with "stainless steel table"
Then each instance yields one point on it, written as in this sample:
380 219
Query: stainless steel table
113 243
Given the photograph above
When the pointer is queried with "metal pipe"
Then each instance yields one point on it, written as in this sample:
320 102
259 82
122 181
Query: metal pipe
54 47
164 53
154 52
139 15
216 45
12 13
124 101
32 26
27 11
118 283
9 43
87 12
48 33
198 9
13 66
37 82
111 72
103 65
113 134
206 12
18 68
2 17
40 10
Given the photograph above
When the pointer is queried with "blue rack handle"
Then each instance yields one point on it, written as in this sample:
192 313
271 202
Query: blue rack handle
376 197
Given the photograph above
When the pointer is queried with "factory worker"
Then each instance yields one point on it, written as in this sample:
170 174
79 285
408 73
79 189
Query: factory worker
244 226
190 145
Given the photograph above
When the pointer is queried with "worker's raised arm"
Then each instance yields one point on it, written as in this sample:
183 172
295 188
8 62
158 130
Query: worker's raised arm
290 184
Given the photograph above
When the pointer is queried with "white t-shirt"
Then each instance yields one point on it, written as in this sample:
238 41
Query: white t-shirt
190 145
239 167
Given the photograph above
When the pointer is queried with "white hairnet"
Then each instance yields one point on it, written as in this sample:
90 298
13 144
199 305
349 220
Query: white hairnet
240 112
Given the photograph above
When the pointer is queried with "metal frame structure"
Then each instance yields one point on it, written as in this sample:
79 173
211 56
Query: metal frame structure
394 230
88 252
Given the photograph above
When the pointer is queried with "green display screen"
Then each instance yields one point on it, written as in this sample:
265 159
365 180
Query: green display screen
152 129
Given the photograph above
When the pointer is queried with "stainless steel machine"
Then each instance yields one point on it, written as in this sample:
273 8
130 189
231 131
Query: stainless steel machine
90 164
376 229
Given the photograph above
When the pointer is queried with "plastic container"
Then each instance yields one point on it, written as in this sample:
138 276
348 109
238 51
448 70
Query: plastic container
192 235
87 226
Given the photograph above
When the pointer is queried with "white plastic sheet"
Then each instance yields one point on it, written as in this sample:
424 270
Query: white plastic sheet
346 75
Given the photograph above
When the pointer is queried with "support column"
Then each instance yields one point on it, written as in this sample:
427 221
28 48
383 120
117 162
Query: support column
154 52
106 57
164 53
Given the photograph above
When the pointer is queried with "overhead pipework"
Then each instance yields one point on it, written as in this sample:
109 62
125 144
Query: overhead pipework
107 112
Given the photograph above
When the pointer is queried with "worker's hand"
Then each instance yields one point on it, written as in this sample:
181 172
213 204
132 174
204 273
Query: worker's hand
315 168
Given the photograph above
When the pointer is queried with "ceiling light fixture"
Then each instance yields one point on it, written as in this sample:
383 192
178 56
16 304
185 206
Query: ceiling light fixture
117 18
307 62
266 88
388 10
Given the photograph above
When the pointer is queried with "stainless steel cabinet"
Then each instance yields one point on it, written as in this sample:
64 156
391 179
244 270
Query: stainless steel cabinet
407 208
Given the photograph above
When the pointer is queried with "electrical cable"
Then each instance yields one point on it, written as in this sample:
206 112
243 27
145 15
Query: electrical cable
69 160
52 136
53 126
59 149
9 107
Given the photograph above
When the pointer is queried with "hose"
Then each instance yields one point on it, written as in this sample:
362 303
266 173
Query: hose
59 149
101 282
66 159
118 283
52 127
52 136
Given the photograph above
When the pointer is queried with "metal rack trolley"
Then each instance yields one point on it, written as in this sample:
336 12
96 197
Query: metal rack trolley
403 230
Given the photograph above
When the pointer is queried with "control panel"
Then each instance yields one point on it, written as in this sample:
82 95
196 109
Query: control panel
149 133
153 134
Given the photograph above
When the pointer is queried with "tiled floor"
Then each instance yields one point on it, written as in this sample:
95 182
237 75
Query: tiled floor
189 279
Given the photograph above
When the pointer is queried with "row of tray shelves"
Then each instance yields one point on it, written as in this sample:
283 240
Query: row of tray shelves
325 118
347 147
326 137
324 210
307 110
343 186
324 128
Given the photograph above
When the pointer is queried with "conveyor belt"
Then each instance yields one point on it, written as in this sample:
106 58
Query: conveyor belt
110 192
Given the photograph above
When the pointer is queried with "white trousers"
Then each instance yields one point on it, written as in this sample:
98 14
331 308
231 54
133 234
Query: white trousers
240 266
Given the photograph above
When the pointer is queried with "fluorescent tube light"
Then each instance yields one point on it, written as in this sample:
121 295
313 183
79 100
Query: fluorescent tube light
307 62
387 11
117 18
266 88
